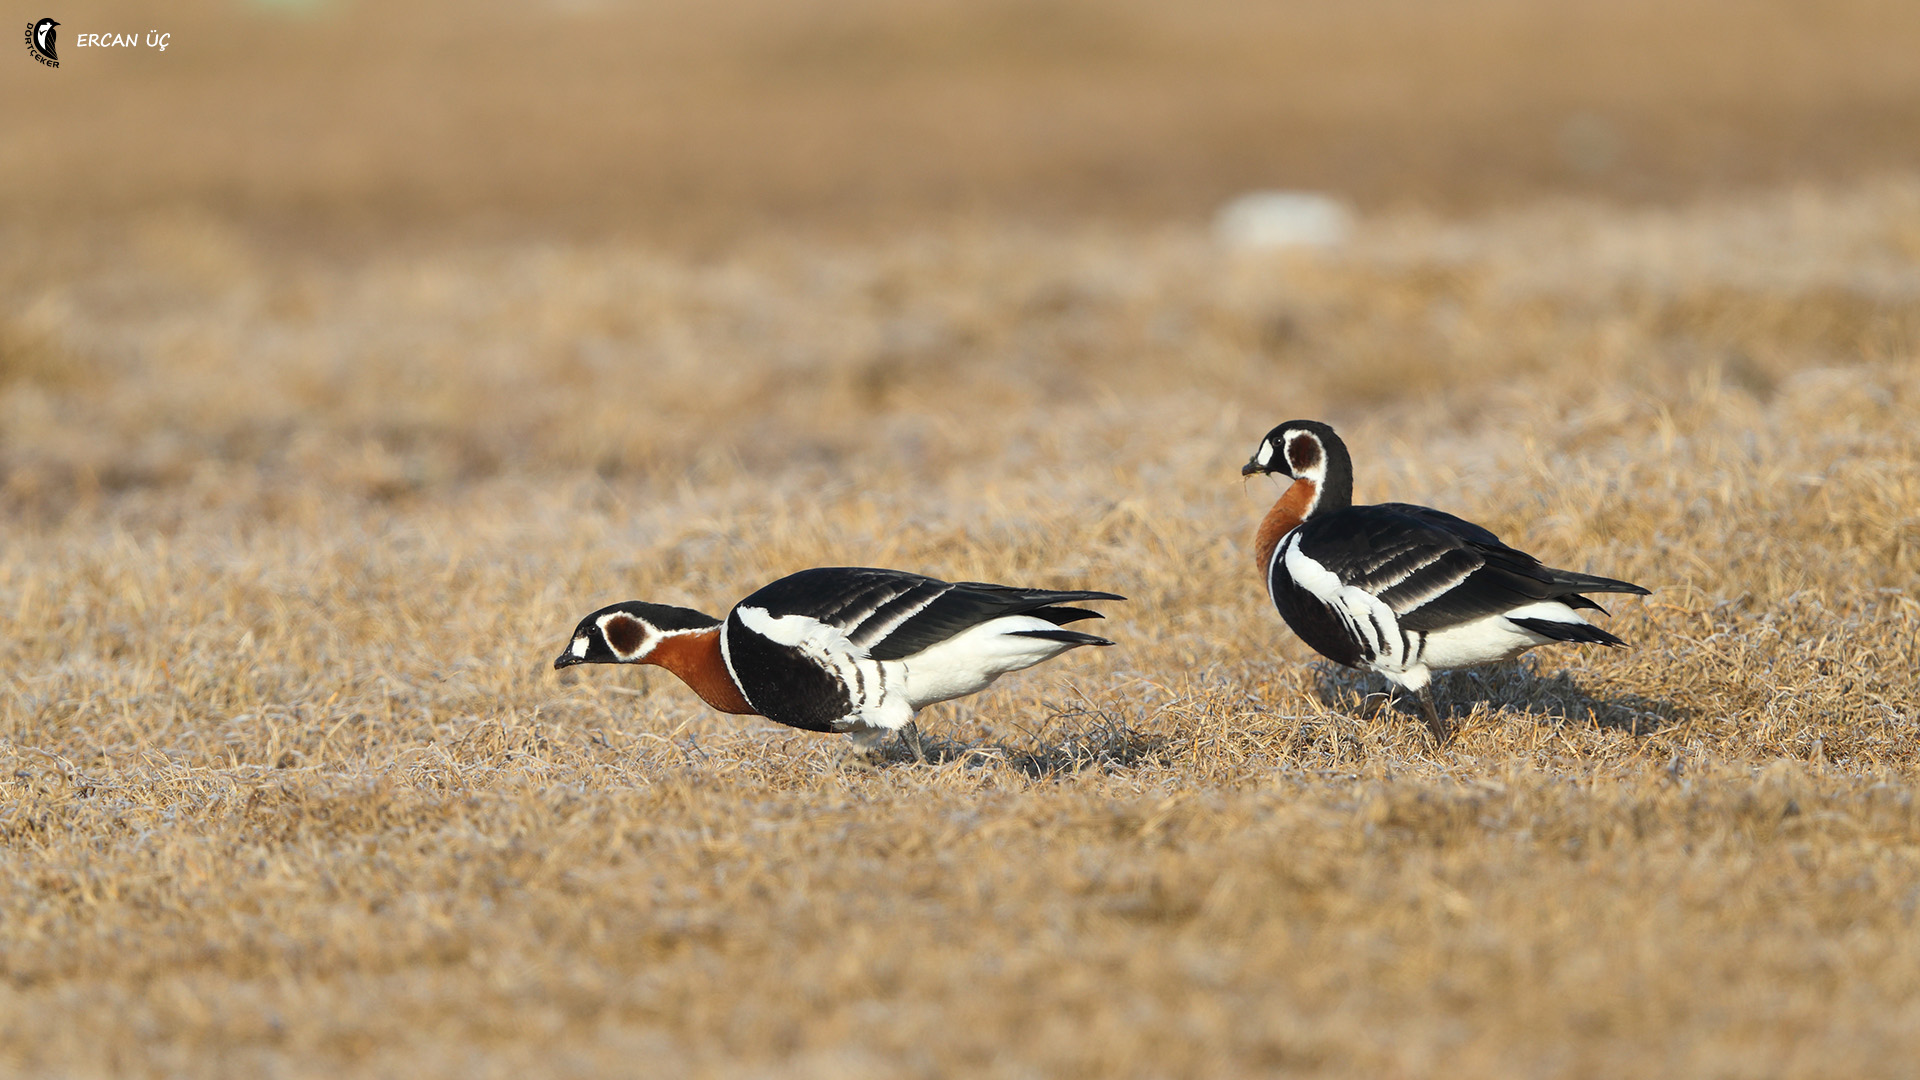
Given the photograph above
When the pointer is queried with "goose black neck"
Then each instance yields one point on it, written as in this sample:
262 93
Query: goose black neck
1336 491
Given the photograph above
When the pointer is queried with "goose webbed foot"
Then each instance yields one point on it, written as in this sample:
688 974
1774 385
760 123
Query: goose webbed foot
1371 704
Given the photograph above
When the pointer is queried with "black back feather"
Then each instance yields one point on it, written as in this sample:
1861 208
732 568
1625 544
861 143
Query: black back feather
968 604
1436 570
894 614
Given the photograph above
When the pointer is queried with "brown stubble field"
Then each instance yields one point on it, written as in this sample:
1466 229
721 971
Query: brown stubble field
293 526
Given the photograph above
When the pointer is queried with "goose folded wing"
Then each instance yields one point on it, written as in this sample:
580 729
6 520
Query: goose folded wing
966 605
890 614
861 602
1433 570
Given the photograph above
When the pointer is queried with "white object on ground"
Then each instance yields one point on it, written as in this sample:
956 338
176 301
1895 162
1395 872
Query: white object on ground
1261 220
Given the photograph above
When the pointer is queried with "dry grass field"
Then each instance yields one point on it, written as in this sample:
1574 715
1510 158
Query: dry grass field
291 528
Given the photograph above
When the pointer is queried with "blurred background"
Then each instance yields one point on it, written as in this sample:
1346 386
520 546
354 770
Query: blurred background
698 121
340 247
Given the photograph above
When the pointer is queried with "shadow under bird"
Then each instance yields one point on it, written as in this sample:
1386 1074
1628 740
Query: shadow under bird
843 648
1399 589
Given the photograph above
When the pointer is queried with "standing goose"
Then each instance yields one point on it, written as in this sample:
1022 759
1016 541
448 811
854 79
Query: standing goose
1398 589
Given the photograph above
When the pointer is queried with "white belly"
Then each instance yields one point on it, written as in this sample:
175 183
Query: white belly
1482 641
969 661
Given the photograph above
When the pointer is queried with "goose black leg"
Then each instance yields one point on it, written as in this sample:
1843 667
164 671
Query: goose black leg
911 736
1434 724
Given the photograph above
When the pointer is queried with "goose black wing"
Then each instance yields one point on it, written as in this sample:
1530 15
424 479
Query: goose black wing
1440 519
893 614
1435 570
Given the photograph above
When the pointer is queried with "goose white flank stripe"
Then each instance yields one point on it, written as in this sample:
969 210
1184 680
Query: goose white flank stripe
845 648
1403 590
